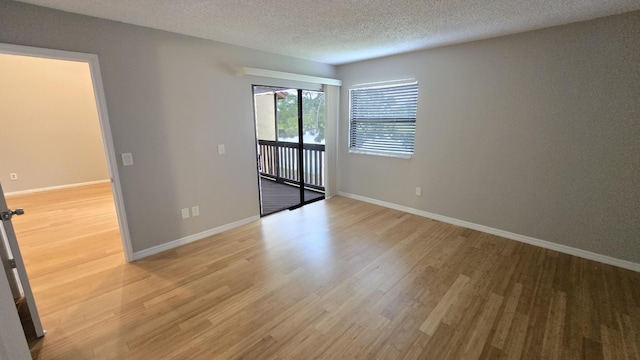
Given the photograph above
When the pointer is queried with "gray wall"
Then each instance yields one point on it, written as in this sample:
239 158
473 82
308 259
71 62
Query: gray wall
48 111
171 100
536 133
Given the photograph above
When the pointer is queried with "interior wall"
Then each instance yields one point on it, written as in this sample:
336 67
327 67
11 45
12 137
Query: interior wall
50 124
537 134
332 111
171 100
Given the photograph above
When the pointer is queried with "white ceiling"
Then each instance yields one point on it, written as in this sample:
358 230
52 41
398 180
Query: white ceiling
342 31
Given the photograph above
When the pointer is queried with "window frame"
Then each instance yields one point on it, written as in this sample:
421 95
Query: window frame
385 153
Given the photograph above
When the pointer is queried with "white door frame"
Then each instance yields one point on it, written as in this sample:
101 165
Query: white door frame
13 344
105 128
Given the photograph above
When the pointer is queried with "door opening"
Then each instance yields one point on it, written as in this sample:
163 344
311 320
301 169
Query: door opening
290 143
42 191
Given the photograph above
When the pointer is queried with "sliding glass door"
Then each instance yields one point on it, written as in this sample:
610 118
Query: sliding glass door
290 147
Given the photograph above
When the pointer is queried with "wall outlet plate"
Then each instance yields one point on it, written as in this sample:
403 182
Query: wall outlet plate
185 213
195 210
127 159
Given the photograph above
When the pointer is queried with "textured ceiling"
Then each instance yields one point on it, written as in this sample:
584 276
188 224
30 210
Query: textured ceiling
342 31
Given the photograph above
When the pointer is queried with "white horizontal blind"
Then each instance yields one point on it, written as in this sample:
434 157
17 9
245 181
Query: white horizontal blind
383 118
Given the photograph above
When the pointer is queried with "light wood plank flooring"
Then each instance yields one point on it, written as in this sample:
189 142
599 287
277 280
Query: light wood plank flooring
337 279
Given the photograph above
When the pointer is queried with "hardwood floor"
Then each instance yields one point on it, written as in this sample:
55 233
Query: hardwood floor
337 279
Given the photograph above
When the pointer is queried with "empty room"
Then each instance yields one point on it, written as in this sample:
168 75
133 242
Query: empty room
58 171
467 187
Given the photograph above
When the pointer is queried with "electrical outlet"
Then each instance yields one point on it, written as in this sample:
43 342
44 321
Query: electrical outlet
418 191
185 213
13 176
127 159
195 210
221 149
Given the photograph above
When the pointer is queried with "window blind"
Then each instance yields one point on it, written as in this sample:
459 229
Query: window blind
383 118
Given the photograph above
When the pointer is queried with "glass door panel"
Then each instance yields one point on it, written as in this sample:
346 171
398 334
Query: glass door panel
288 139
277 130
313 144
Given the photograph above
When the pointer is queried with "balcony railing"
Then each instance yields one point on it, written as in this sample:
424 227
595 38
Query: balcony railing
280 161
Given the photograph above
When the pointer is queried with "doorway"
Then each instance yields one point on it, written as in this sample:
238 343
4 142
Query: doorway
49 204
290 145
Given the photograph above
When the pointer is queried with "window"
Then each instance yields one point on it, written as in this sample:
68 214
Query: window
382 118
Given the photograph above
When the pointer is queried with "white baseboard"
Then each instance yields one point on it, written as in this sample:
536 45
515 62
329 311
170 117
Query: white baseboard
59 187
191 238
506 234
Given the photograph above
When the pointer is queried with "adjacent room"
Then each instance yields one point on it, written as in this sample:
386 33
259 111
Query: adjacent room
444 180
58 171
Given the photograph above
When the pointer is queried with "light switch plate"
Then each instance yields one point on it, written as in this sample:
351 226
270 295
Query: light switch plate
195 211
221 149
185 213
127 159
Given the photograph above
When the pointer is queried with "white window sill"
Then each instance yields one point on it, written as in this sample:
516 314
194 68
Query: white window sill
380 153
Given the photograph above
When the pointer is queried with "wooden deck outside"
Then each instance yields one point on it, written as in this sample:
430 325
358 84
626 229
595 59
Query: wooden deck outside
276 196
